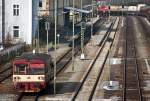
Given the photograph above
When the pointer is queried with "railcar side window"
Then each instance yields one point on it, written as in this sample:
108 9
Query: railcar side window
36 71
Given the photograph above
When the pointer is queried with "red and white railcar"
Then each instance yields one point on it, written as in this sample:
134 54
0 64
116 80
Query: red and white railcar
32 72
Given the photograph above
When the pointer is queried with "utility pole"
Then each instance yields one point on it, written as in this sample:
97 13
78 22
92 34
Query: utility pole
38 30
47 27
122 13
109 11
3 21
55 46
38 34
73 38
92 21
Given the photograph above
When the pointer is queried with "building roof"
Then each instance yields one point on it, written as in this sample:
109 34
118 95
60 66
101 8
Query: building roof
68 9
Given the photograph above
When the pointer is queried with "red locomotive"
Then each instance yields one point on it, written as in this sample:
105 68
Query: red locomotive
32 72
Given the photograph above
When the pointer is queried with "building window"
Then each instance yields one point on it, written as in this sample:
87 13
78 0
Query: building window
16 31
40 3
16 10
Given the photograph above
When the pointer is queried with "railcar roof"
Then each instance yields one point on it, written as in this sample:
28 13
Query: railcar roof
30 56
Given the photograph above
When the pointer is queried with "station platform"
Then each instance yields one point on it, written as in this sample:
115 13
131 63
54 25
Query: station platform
71 77
63 47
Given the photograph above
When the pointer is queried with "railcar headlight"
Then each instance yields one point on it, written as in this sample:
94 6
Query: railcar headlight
41 78
14 78
18 78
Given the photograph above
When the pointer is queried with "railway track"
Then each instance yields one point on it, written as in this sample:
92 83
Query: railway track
27 97
131 83
5 74
144 27
9 53
90 80
6 67
61 63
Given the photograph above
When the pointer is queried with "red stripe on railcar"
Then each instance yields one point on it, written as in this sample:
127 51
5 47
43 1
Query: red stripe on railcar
20 61
37 65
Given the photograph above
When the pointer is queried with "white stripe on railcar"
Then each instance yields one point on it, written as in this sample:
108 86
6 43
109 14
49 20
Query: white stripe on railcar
28 78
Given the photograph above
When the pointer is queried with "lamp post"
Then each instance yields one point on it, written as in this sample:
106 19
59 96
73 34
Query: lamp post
73 38
58 36
47 27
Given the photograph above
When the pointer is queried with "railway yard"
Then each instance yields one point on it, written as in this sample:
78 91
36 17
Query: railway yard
116 66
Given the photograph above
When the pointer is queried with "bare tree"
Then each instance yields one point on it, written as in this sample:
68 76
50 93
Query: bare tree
8 40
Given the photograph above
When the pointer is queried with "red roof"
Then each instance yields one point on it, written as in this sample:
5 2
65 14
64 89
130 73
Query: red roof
37 61
103 8
20 61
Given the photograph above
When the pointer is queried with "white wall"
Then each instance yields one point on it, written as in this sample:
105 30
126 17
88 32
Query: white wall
26 20
132 8
0 21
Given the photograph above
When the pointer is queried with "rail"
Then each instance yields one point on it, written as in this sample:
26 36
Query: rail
60 66
130 42
91 66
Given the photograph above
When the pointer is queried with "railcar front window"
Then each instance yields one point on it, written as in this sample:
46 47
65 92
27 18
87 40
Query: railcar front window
20 68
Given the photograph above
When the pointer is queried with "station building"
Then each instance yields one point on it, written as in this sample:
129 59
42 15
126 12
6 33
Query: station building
18 20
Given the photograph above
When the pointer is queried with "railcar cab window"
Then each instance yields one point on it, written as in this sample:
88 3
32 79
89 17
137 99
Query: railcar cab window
20 69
